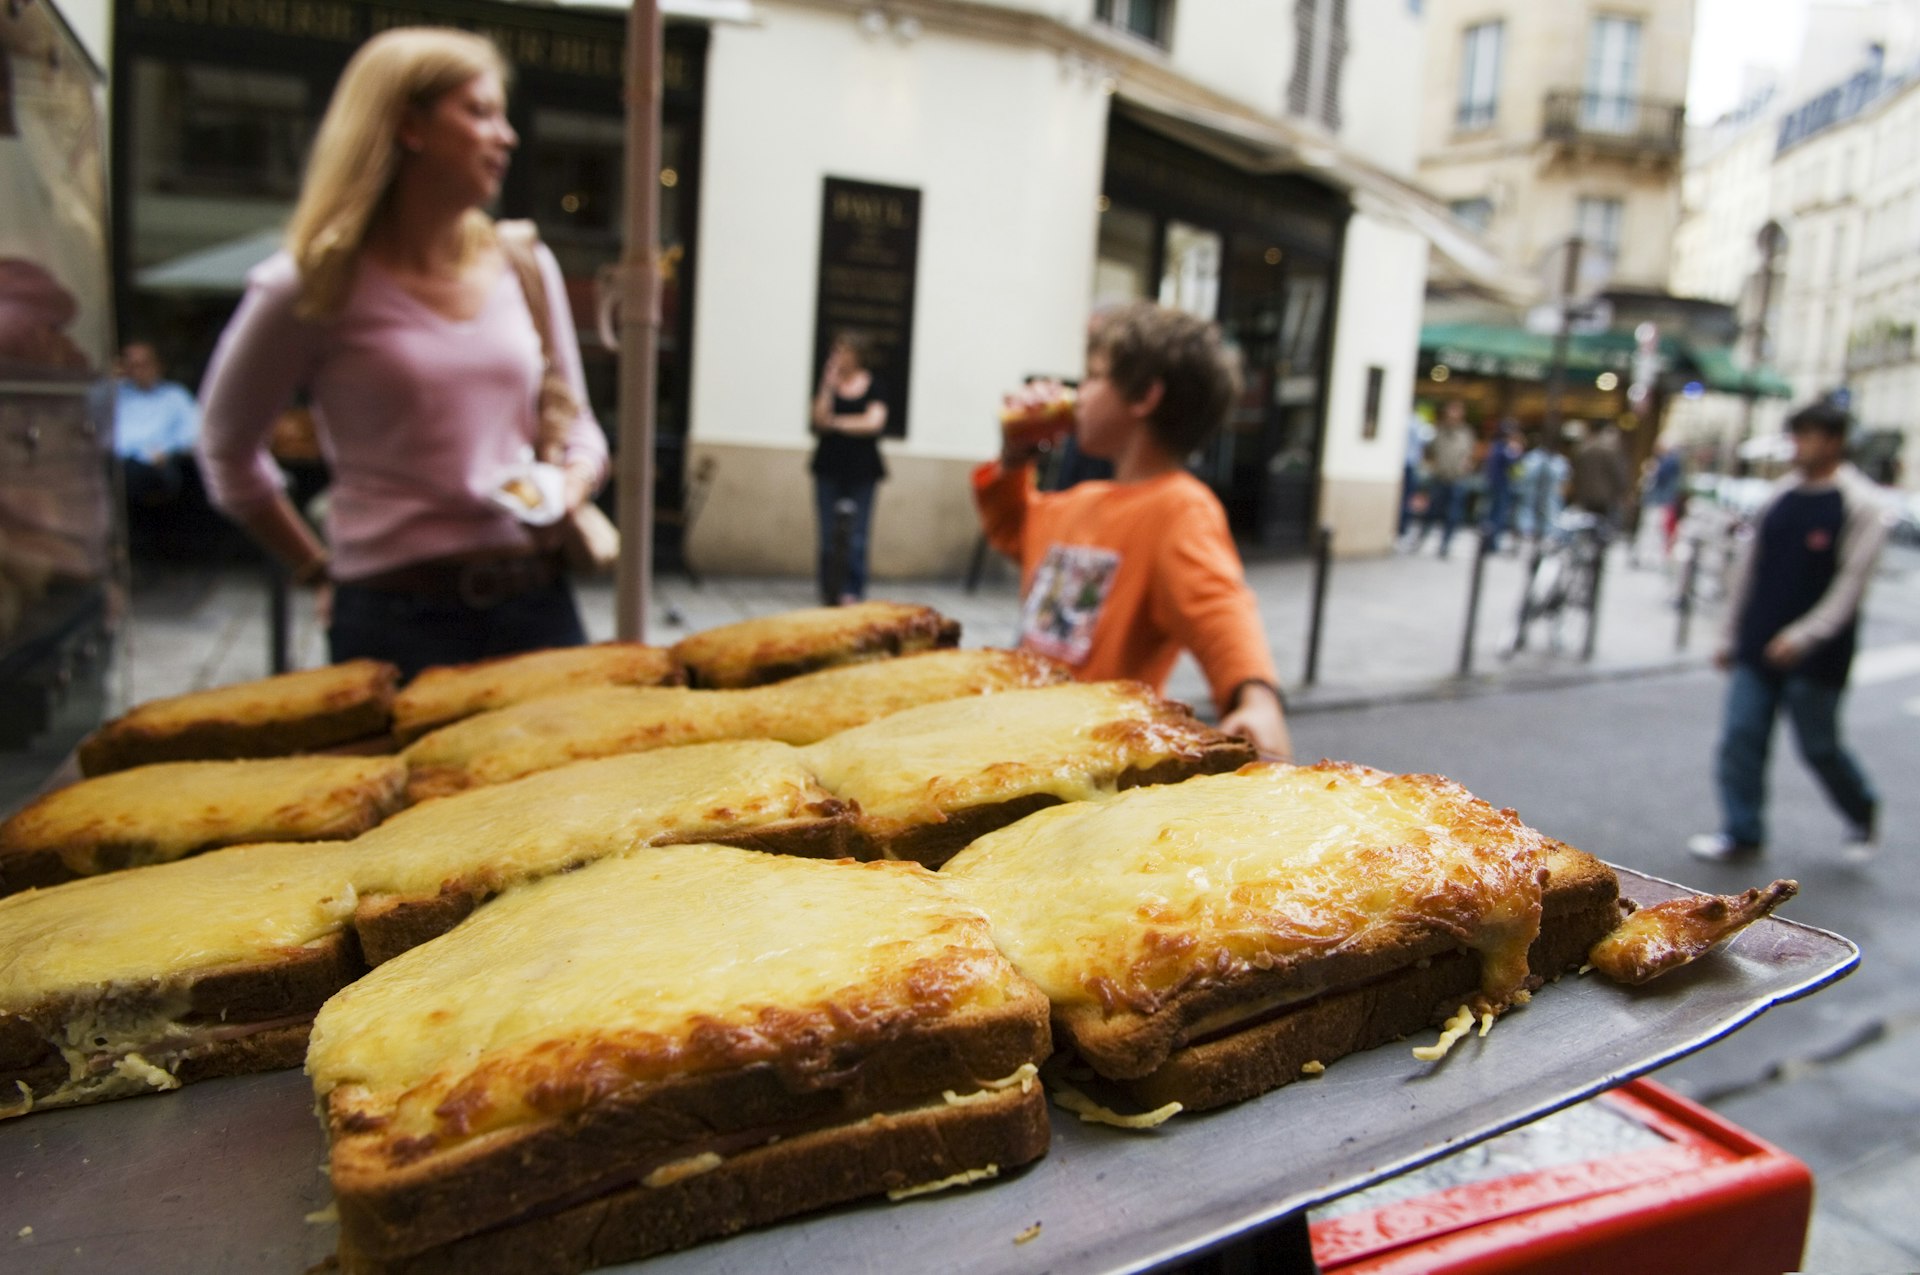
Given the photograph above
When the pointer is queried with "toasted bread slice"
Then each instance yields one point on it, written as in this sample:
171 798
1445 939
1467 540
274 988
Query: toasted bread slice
427 867
154 814
494 747
931 779
299 712
773 647
452 692
666 1046
1179 915
154 977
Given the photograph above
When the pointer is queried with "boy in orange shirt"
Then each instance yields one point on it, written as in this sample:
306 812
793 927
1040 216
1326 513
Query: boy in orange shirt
1117 577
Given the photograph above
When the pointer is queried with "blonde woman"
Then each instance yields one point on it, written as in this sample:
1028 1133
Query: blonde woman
394 309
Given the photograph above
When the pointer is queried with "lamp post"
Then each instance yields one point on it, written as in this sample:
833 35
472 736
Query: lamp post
638 289
1772 240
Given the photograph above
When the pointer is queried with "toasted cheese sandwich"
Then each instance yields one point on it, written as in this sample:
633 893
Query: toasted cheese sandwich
1201 942
541 734
299 712
773 647
155 977
427 867
452 692
149 978
928 780
169 810
665 1047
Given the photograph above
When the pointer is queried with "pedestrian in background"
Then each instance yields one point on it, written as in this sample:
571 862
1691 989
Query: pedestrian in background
155 426
1419 434
1503 453
1792 620
1601 477
848 418
1539 488
1449 461
1666 492
395 309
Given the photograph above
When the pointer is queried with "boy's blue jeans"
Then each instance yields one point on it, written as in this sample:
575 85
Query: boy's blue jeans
1754 698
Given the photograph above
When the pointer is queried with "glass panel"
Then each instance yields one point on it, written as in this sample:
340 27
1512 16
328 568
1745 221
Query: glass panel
1190 275
1479 75
1123 263
1611 101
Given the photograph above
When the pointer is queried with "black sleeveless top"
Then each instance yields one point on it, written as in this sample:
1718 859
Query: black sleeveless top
846 457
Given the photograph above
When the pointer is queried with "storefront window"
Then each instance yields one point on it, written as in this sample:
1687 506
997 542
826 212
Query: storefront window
1190 277
1123 264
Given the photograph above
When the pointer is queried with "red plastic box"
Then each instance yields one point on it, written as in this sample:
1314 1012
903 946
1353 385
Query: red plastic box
1708 1197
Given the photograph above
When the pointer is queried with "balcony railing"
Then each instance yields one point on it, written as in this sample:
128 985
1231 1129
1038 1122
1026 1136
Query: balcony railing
1632 125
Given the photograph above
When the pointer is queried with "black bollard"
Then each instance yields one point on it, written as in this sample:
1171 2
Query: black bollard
1481 549
1684 603
1593 600
279 619
1322 563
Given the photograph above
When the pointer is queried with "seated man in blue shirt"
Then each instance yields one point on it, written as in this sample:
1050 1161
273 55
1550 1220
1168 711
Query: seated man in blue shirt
155 425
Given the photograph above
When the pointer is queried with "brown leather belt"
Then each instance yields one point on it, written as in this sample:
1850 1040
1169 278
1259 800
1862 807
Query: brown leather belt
478 582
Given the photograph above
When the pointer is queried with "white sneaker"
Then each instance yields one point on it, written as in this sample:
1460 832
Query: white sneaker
1860 846
1718 847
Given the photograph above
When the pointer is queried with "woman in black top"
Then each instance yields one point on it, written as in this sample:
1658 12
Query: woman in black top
848 418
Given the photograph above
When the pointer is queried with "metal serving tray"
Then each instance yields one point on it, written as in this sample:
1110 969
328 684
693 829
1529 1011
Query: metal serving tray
222 1176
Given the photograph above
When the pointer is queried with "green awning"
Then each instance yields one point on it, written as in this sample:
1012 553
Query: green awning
1720 373
1488 349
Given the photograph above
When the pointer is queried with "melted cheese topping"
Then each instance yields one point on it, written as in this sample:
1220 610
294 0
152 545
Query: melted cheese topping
680 960
736 654
1071 742
160 812
450 693
553 820
233 905
1162 889
549 732
286 697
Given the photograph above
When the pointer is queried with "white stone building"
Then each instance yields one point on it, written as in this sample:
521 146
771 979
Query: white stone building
1036 157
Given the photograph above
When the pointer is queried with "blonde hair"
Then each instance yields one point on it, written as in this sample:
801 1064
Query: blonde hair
356 153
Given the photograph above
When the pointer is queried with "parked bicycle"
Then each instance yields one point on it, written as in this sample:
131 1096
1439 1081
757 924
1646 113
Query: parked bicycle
1563 575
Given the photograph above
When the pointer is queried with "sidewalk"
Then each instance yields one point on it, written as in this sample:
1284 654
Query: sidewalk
1392 627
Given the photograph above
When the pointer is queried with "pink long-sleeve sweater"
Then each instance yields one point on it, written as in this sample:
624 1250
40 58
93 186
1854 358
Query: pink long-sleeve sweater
418 415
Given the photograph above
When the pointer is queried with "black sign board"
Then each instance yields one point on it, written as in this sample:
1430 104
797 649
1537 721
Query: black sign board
869 252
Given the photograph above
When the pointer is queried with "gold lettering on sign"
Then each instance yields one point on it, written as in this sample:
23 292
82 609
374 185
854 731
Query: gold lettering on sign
870 211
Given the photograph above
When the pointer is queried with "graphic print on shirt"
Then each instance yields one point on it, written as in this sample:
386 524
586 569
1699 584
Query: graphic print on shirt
1070 588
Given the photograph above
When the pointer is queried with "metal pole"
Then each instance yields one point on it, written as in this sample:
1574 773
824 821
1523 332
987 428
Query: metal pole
1322 562
1593 599
1684 603
1772 239
1557 373
1480 551
279 619
639 291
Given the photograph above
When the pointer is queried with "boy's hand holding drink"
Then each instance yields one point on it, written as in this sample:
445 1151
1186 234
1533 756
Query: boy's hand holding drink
1033 418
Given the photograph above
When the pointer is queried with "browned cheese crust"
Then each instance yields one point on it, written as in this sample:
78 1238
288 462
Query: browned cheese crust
1664 936
171 810
1581 901
272 717
932 844
455 691
798 1174
397 1198
772 648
